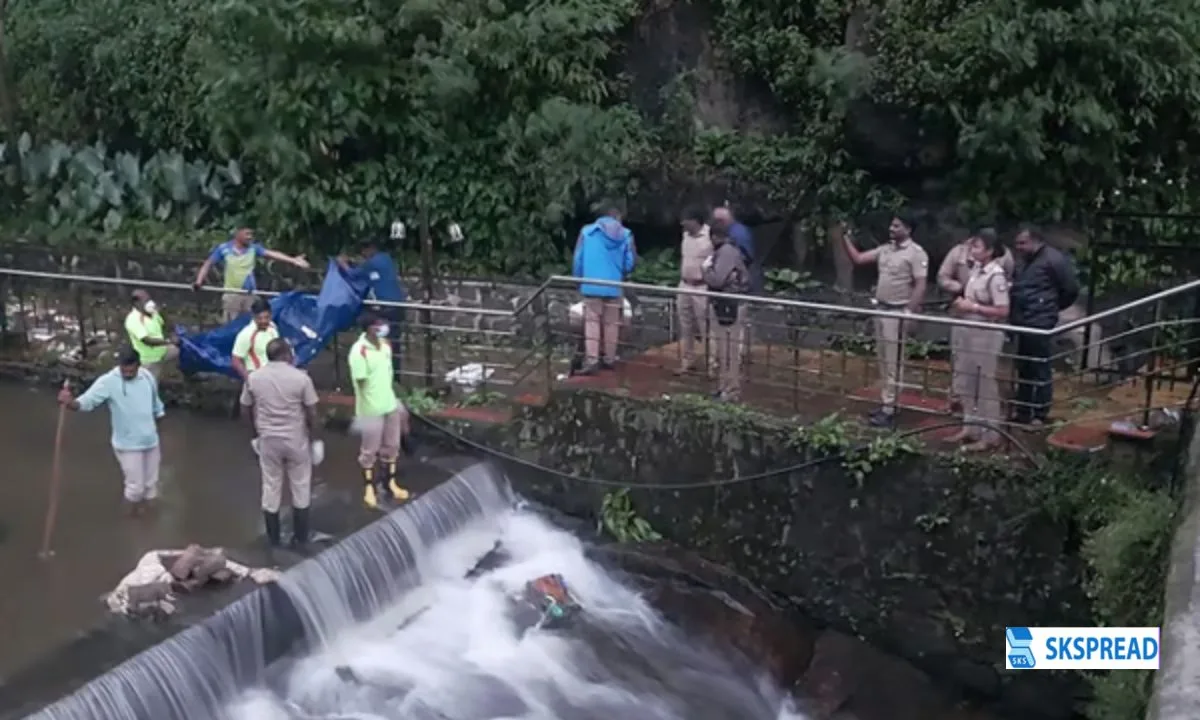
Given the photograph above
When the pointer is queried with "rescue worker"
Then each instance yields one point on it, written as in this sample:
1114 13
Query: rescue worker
903 272
694 250
238 259
250 345
379 415
382 276
725 272
144 325
984 299
604 251
1044 284
131 394
282 403
952 278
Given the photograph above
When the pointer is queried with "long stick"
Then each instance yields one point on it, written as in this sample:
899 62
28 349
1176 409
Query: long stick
52 510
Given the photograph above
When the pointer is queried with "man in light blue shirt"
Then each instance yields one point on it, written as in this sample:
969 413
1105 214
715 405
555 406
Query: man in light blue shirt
131 393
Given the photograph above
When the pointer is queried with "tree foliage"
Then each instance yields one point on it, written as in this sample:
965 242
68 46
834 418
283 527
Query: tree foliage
506 116
1047 109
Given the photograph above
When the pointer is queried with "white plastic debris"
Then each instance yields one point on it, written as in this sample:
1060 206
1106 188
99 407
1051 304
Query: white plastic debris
471 375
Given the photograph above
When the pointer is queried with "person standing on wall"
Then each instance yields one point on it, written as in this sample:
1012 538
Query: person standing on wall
144 325
131 394
379 271
903 272
984 299
282 404
952 278
238 258
250 345
1044 284
381 418
604 251
725 272
695 250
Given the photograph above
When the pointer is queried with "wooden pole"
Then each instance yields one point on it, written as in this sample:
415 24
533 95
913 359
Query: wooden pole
55 467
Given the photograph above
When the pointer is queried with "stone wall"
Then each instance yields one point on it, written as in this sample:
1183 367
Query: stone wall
920 557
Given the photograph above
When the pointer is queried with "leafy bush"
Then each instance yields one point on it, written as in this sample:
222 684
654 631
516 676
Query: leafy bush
86 187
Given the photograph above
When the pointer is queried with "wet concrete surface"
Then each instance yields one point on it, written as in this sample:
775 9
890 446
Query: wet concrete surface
209 495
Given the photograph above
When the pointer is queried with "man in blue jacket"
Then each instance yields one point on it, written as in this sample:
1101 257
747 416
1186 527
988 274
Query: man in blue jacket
604 251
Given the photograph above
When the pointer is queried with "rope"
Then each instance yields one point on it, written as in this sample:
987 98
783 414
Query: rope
727 481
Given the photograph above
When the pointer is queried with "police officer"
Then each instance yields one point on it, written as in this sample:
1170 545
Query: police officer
984 299
952 278
1044 284
903 274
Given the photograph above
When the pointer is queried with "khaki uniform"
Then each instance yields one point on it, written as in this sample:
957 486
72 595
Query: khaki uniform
980 352
693 309
952 278
234 305
900 267
280 395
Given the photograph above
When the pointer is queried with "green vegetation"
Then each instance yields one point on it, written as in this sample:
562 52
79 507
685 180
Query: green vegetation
1124 516
620 519
318 122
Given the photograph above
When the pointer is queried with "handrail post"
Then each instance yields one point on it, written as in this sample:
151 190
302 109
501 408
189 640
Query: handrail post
427 281
1152 364
83 352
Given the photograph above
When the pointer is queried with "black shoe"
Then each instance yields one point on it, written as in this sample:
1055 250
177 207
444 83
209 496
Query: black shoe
588 369
882 419
608 364
299 527
271 519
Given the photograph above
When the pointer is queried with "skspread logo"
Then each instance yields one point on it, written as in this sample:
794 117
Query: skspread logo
1032 648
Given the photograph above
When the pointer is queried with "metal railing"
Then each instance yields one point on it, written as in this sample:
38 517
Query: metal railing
812 358
799 357
64 318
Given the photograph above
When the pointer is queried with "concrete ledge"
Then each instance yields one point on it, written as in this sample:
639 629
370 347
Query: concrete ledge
1177 682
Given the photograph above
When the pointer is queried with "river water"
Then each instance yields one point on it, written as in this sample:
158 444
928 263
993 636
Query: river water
209 495
438 612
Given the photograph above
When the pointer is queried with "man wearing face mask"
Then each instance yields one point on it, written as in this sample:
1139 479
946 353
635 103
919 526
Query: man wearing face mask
903 272
378 414
131 394
144 325
250 345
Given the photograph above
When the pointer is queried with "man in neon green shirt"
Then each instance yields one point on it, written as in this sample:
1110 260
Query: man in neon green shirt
250 345
144 325
238 258
379 415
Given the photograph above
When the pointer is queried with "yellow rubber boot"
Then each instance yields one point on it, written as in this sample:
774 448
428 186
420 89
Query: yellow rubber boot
369 489
398 492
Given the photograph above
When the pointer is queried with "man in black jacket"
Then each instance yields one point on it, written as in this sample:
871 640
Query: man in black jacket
1044 284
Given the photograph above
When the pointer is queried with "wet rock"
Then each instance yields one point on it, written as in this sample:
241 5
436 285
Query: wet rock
850 678
709 600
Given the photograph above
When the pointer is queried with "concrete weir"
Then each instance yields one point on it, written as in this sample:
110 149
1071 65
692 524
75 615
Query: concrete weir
1177 683
197 672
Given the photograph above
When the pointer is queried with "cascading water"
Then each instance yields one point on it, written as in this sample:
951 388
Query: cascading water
424 616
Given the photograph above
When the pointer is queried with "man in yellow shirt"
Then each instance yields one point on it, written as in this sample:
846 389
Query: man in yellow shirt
144 325
250 345
379 415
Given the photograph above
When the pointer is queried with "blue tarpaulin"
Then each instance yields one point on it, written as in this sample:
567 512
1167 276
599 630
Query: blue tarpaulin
309 322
